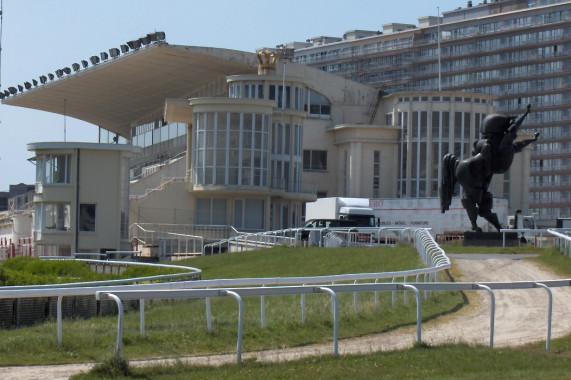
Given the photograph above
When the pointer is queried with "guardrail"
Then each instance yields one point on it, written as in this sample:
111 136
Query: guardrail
563 240
322 237
332 290
89 288
428 255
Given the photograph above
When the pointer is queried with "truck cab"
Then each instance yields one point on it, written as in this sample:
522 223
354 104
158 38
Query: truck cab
358 216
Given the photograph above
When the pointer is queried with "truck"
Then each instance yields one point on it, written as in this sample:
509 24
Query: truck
426 213
354 211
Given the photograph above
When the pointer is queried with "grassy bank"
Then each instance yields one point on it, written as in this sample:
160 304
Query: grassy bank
176 328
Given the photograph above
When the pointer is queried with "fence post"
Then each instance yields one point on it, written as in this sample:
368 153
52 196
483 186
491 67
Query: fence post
240 322
492 312
418 311
335 310
549 313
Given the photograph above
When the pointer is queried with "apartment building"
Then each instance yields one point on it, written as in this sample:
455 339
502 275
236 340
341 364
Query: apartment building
517 50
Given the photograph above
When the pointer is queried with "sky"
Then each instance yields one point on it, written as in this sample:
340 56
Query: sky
41 36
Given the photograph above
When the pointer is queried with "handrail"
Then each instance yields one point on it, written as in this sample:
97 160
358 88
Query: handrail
333 289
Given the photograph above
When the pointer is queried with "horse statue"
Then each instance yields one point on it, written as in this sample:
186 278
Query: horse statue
492 154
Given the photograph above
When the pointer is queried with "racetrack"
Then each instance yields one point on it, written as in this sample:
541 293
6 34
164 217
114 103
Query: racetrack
521 317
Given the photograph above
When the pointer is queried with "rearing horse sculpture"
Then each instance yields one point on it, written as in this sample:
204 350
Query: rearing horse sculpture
493 154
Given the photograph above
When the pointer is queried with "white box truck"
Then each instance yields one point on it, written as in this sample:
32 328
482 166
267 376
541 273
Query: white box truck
355 212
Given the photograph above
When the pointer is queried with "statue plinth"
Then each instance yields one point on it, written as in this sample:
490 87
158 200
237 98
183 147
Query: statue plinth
490 239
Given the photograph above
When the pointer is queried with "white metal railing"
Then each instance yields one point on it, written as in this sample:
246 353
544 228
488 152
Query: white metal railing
563 240
332 290
165 243
322 237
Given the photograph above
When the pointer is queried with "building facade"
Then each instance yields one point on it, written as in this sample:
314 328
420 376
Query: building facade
518 50
81 197
245 142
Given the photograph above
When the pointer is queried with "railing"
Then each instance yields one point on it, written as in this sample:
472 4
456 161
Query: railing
563 240
332 290
322 237
164 243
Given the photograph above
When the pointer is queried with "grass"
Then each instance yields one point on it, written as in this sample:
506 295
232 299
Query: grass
177 328
34 271
423 361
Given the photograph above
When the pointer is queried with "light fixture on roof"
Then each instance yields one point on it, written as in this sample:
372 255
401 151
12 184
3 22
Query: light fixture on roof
135 44
66 70
35 82
51 76
114 52
43 79
21 88
124 49
75 67
84 63
2 96
145 40
94 60
104 56
7 93
28 85
59 73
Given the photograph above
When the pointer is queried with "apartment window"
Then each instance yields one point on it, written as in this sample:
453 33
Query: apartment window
315 160
377 174
87 217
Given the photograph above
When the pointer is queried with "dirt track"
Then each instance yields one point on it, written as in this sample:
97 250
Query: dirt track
521 317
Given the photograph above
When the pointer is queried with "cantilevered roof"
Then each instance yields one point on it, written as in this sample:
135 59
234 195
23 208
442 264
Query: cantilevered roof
117 93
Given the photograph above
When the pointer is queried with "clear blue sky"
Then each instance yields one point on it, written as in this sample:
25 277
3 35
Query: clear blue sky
41 36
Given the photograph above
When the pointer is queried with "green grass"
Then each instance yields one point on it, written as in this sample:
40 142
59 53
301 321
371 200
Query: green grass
447 362
34 271
444 362
176 328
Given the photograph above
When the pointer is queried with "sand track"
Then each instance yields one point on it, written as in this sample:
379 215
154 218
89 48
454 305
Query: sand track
521 317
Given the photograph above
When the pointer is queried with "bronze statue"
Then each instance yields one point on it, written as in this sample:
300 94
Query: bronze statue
492 154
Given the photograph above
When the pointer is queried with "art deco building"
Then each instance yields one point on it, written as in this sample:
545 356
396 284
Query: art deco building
239 139
518 50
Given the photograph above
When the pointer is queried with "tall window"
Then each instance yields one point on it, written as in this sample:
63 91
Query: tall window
211 211
249 214
54 168
56 217
376 174
87 217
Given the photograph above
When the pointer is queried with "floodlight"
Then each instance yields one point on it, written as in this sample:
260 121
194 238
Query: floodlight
35 82
59 73
84 63
20 88
2 96
152 37
135 44
43 79
13 90
51 76
75 67
145 40
124 49
160 36
104 56
7 93
28 85
66 70
114 52
94 60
